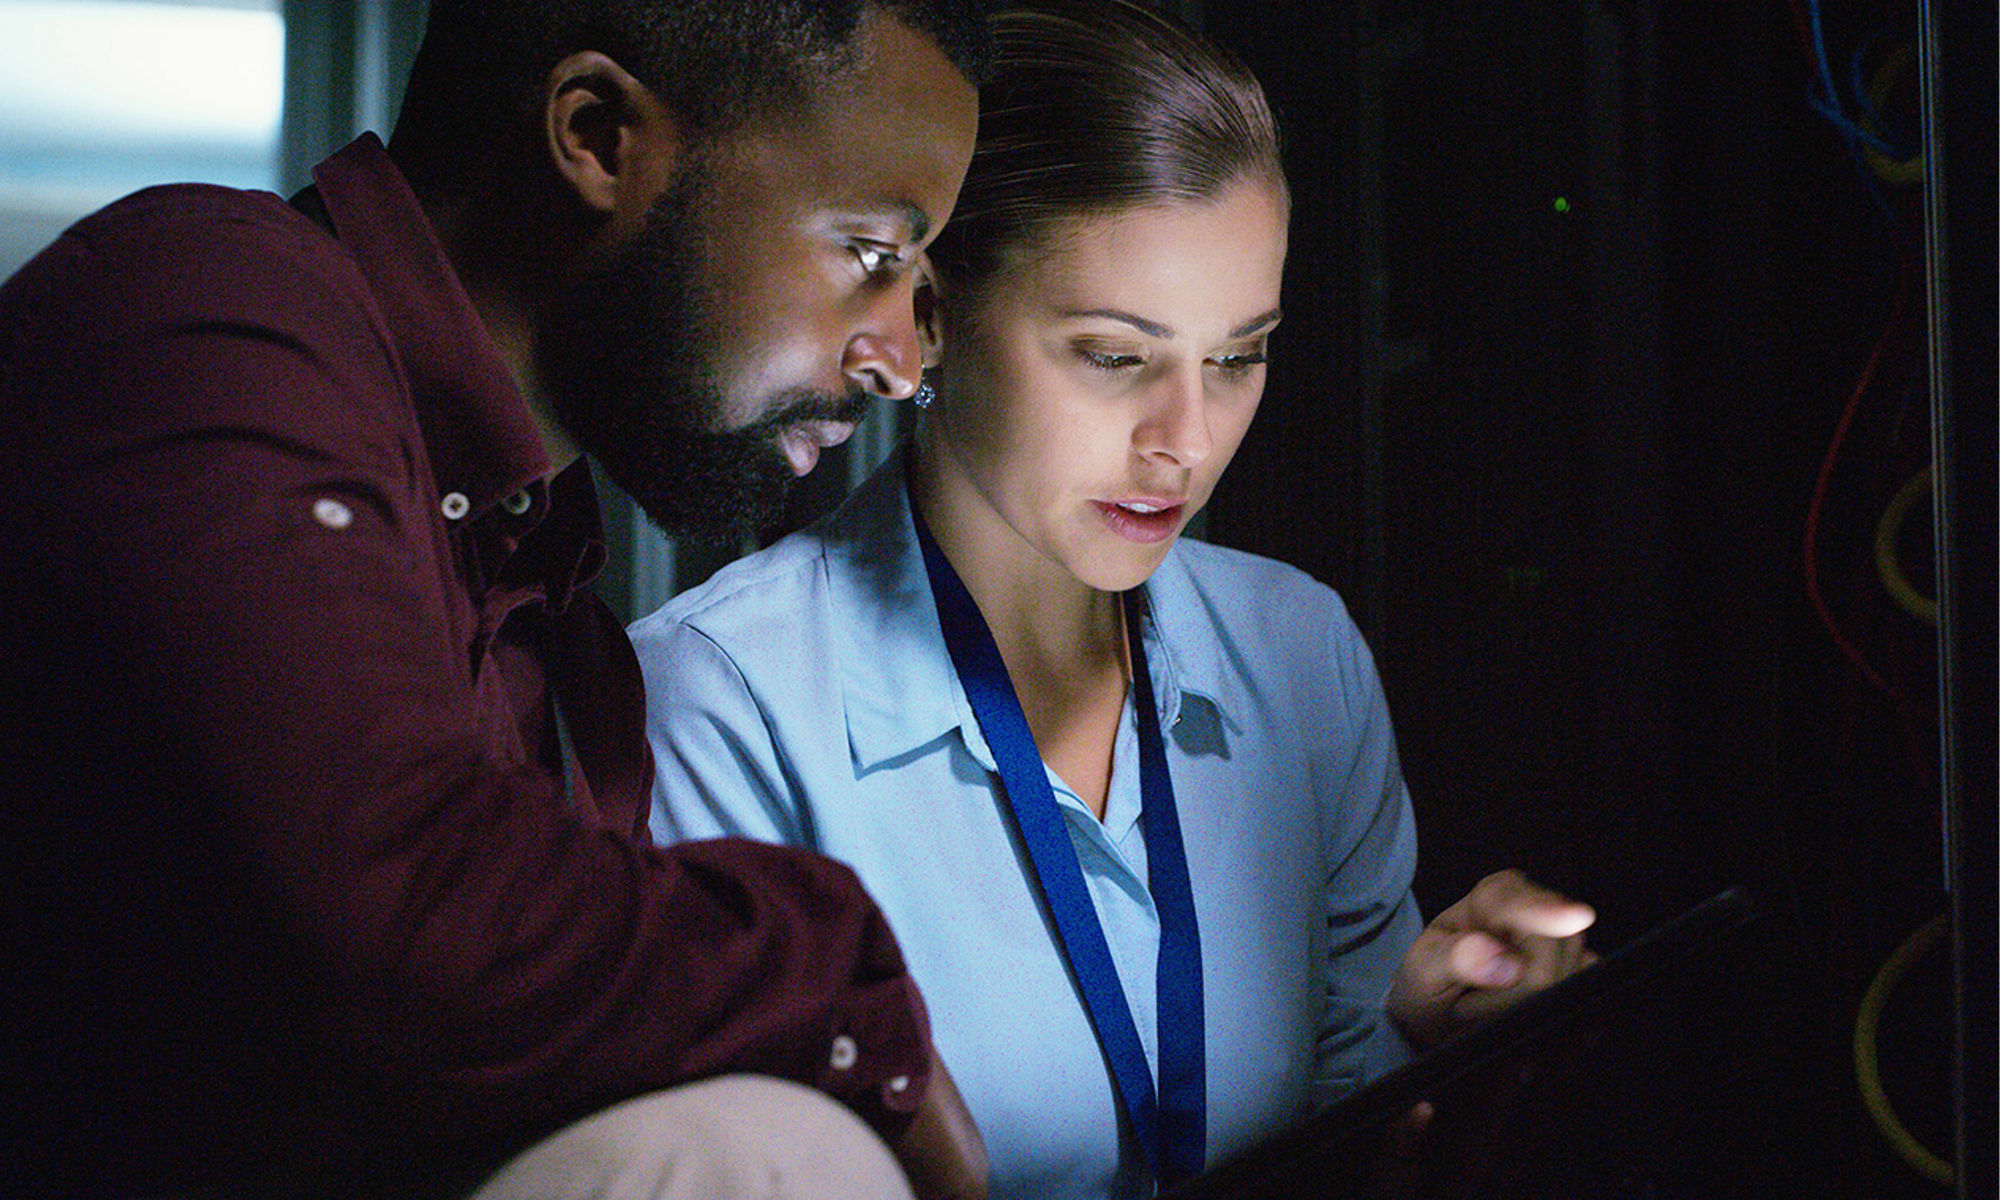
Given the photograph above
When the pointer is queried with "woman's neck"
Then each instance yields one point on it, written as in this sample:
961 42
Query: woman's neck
1048 624
1062 640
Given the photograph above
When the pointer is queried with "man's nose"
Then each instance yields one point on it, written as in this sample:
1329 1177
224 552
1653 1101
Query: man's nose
883 356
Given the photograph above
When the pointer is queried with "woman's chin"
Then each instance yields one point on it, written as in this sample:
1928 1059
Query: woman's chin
1126 567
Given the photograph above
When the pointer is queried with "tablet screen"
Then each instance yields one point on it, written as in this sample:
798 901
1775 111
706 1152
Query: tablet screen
1511 1094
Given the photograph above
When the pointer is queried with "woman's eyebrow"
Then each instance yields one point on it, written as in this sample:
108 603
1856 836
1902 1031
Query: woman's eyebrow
1149 328
1257 322
1157 330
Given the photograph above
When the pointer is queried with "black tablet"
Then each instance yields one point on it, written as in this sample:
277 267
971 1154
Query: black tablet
1510 1093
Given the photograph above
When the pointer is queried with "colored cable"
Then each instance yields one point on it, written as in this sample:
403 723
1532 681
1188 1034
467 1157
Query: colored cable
1824 99
1826 102
1887 531
1889 166
1803 25
1810 552
1867 1067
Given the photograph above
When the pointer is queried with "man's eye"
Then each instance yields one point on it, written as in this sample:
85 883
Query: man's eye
873 258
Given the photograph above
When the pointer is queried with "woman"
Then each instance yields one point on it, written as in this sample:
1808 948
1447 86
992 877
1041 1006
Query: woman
1141 953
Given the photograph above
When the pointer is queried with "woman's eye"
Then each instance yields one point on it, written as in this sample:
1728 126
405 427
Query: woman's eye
1237 364
1110 361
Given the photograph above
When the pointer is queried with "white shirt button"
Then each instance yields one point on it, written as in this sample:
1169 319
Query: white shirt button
454 506
845 1053
332 513
518 503
900 1084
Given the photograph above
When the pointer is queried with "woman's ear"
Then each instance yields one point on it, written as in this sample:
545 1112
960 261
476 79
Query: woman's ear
930 314
615 145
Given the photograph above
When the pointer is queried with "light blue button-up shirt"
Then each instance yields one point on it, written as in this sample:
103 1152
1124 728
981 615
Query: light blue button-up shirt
804 695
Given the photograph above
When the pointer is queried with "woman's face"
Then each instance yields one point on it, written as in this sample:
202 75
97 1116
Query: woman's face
1102 383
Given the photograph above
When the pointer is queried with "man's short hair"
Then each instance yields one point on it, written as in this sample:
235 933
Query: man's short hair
475 94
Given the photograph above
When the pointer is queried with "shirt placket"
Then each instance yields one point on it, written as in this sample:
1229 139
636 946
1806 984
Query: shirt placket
1112 856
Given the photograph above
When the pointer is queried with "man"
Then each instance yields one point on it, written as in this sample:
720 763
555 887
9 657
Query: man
325 779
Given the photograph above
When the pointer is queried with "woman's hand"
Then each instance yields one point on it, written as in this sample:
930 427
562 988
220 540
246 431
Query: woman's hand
1507 939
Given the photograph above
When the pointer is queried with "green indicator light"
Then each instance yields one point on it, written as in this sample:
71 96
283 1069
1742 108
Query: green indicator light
1562 204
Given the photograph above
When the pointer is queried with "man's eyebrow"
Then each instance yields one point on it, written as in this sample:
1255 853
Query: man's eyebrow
913 217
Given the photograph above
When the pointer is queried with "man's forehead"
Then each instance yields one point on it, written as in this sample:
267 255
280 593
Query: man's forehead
887 143
898 74
882 43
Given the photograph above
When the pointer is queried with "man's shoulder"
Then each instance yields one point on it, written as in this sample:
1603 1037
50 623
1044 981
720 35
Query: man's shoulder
176 222
192 306
207 251
165 205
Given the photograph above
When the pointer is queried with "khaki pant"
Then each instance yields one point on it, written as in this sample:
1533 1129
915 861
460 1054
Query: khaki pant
740 1137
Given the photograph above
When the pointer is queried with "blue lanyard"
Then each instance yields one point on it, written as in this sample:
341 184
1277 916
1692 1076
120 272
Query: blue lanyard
1172 1127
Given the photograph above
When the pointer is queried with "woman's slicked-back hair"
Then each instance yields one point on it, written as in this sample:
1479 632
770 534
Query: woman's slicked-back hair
1092 106
476 90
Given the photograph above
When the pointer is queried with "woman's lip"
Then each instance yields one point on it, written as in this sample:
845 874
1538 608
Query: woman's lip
1145 528
803 442
1153 502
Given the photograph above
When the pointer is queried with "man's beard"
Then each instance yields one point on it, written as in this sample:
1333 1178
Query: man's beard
629 359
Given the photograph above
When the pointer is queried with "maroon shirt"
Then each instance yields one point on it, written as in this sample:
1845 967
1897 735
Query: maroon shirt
298 884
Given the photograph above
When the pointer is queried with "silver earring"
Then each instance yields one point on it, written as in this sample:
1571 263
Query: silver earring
925 394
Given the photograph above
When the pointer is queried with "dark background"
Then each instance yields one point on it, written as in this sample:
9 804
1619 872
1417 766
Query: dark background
1604 356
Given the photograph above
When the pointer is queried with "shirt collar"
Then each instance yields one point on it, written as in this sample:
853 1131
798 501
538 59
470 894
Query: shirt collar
483 442
1185 647
897 682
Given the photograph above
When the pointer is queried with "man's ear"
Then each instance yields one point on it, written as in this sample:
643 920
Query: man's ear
930 314
610 138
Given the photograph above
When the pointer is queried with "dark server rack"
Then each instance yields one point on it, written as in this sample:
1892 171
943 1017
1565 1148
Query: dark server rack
1604 348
